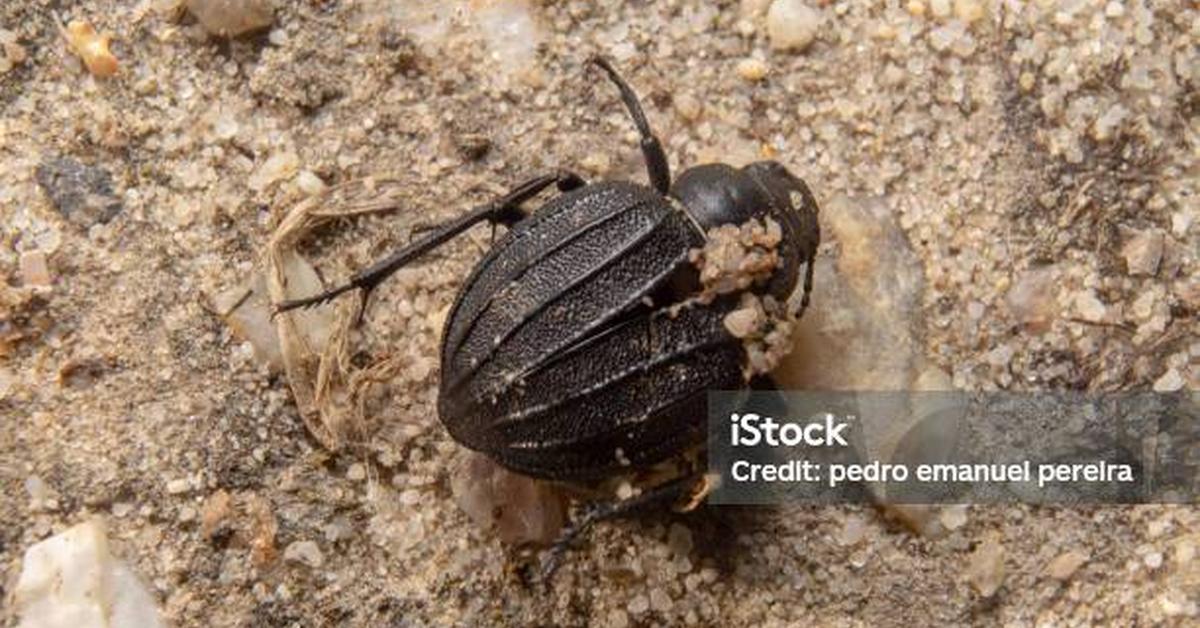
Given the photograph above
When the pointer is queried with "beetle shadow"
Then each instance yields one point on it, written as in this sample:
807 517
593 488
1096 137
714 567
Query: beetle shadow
723 535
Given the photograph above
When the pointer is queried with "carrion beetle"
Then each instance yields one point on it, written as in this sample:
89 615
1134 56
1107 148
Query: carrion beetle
582 345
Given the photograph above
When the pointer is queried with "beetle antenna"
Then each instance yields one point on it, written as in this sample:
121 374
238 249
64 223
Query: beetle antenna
652 150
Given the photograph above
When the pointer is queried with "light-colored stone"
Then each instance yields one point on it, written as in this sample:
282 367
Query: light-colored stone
660 601
1065 565
679 539
512 34
306 552
35 270
853 531
277 167
985 569
752 69
71 580
1032 299
1089 307
517 508
1170 381
968 10
1143 252
953 517
792 24
230 18
743 322
309 183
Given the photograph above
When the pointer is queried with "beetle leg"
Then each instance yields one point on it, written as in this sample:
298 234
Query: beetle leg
652 150
808 282
505 209
670 491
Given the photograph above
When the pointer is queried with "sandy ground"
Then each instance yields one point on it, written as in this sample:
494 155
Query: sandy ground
1040 159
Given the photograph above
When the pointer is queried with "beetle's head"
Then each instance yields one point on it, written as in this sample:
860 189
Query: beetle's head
718 194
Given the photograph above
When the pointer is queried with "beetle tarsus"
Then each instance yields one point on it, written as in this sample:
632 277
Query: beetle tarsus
670 491
808 283
505 210
309 302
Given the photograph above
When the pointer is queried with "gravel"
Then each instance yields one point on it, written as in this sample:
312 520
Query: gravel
82 193
981 168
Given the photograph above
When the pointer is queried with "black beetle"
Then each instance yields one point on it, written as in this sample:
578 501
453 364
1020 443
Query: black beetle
577 350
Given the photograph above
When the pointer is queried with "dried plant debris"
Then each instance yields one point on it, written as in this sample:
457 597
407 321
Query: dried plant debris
92 48
83 194
328 389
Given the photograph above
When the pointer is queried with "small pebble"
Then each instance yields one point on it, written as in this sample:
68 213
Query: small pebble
1157 527
231 18
517 508
679 539
792 25
83 194
1180 223
1143 306
215 510
35 272
38 491
660 601
953 517
752 69
178 486
1143 252
357 472
968 10
306 552
985 569
14 54
1175 604
1065 565
853 531
1032 299
688 107
1089 307
1000 356
742 323
639 604
309 183
281 165
1170 381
